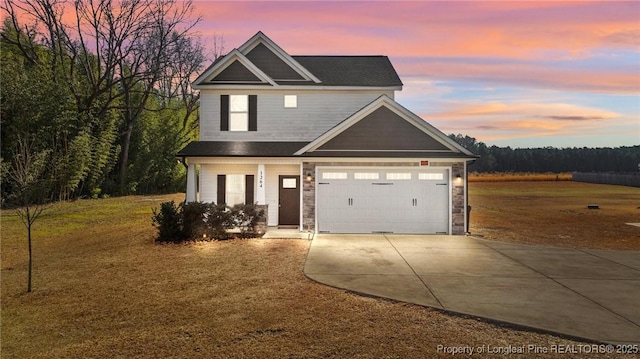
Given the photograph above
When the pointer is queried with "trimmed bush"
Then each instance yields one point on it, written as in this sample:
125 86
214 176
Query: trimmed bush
219 221
247 217
198 220
168 221
194 216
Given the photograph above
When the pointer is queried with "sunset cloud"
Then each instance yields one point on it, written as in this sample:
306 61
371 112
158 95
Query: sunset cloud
497 121
451 55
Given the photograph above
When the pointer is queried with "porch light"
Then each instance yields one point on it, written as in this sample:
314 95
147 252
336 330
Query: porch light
309 177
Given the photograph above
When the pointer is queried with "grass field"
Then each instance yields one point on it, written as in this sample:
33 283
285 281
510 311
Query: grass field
102 288
518 177
555 214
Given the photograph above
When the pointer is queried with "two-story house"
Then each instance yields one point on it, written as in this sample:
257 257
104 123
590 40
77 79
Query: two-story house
323 143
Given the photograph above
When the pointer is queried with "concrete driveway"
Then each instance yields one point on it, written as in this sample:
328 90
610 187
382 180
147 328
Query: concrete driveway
591 294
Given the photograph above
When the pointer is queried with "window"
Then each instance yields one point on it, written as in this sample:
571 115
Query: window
290 101
398 176
236 188
289 183
366 175
334 175
238 113
431 176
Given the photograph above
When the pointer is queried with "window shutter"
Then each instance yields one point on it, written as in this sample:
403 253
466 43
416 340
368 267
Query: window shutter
248 188
222 189
224 112
253 112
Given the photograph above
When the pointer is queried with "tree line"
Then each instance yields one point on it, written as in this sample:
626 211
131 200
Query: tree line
623 159
100 92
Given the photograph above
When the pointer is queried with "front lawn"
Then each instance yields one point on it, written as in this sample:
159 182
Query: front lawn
103 289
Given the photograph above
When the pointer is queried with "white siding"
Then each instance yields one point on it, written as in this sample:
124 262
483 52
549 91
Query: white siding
316 113
272 186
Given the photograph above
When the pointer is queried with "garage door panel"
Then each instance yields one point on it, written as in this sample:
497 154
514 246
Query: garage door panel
402 202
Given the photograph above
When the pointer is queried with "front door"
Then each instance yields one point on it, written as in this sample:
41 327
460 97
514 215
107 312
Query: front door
289 200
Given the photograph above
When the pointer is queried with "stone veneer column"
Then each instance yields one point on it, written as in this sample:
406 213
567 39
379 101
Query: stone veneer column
458 210
308 197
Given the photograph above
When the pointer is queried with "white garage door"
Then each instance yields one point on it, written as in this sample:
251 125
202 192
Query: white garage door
362 200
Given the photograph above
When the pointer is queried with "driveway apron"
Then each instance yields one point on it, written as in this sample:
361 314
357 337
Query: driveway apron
590 294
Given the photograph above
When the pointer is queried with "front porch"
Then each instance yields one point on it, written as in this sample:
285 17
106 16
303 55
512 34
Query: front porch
273 232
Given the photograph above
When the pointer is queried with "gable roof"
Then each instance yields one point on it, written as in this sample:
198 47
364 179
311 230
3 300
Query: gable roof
384 126
268 62
231 59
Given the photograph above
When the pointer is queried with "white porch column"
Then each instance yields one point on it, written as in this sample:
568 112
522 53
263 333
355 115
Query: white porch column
191 182
261 192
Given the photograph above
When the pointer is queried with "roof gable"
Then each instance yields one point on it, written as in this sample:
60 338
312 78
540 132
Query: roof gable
383 130
271 64
236 72
233 68
384 126
270 51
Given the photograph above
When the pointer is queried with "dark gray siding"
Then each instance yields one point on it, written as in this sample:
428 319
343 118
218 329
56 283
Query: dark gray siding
271 64
236 72
383 130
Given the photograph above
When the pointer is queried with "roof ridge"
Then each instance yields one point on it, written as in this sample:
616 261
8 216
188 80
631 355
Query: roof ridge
339 56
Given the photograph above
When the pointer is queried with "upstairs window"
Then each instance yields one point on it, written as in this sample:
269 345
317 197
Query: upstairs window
290 101
238 113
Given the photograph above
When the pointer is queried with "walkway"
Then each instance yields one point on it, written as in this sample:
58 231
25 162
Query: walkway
591 294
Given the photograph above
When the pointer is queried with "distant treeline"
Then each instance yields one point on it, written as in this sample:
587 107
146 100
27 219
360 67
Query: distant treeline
624 159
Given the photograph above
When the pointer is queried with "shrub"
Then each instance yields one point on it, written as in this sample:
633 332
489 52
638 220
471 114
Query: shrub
219 221
247 217
168 221
194 224
195 220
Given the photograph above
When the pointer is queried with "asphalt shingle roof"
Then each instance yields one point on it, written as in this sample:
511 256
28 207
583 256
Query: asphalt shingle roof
351 70
287 149
240 149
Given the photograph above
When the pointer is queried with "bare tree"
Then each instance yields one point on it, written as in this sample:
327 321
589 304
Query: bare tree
123 49
26 173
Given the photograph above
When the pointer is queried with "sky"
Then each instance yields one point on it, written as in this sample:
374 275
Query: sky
509 73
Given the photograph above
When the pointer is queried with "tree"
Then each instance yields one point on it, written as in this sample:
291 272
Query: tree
26 172
111 55
92 78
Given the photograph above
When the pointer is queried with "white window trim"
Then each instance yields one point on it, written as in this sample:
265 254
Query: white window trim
241 115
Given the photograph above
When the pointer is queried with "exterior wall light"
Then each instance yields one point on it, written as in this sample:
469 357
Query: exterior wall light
309 177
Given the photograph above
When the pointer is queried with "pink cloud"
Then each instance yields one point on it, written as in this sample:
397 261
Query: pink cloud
507 29
494 121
